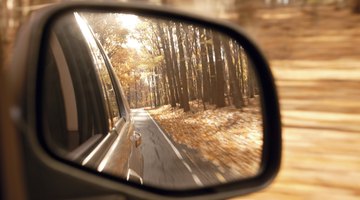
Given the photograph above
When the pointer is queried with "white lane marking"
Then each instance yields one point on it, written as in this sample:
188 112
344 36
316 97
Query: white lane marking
197 180
187 166
110 151
195 177
166 138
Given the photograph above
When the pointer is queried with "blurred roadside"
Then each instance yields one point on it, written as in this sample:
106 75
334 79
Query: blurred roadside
313 47
242 12
12 14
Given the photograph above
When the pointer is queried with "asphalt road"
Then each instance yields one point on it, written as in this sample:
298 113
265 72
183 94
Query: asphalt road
164 164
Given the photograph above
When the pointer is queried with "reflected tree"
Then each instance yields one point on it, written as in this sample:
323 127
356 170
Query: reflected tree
176 63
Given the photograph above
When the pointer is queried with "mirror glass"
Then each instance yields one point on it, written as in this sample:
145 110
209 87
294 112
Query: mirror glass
159 102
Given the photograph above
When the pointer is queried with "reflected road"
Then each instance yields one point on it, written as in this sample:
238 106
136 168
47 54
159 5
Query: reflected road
171 165
164 165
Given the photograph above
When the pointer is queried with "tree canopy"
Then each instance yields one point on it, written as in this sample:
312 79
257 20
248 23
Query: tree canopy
161 62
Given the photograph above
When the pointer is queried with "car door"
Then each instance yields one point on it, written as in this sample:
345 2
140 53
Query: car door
86 114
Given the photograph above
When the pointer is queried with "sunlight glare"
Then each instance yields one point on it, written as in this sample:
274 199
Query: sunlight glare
128 21
133 43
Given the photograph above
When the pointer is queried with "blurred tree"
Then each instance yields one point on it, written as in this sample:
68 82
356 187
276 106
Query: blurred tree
2 47
12 14
356 6
246 10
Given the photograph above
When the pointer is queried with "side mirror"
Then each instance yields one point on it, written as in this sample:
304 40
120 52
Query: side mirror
89 74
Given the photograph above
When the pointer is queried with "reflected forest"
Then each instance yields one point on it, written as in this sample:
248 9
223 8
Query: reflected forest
164 62
198 85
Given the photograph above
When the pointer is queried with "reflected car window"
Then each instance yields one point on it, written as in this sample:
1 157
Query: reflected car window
79 100
105 80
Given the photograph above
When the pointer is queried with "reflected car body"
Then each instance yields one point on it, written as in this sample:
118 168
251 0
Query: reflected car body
86 114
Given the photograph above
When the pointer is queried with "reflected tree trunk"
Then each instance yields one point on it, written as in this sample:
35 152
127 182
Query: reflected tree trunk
219 65
197 70
204 66
251 80
166 92
175 65
209 44
168 62
184 92
158 84
234 81
190 64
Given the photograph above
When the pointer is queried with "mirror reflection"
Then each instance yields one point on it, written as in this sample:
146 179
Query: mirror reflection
158 102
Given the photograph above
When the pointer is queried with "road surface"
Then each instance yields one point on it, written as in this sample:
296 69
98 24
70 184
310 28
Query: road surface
164 165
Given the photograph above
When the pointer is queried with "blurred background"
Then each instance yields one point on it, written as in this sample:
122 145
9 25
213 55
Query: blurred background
313 47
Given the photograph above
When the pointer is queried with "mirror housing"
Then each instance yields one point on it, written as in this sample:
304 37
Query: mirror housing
46 173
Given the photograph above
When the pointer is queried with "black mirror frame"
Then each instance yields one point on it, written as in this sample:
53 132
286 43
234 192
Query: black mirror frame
26 109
